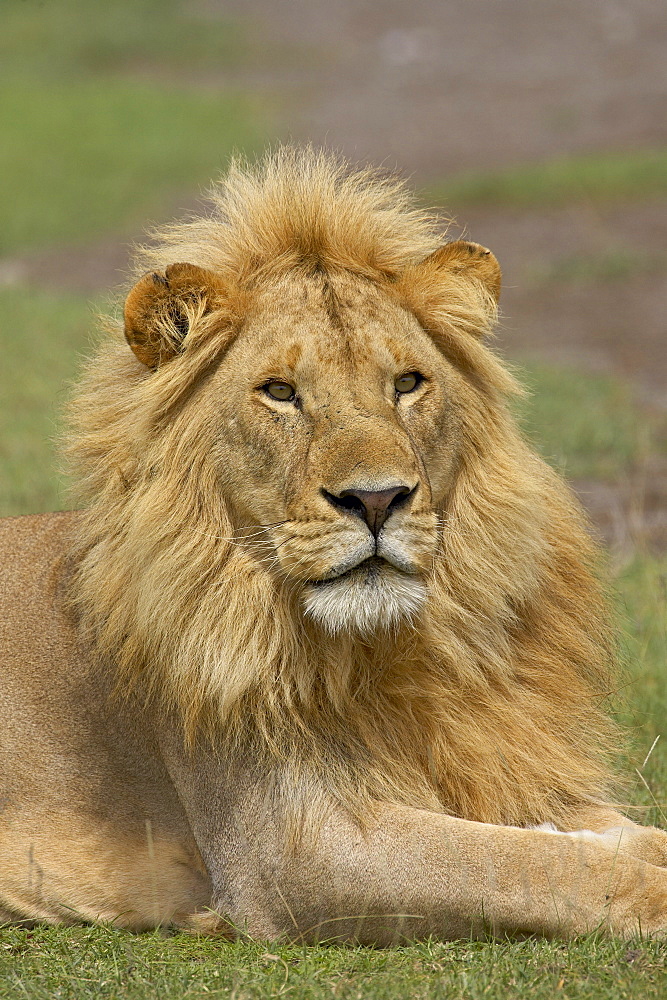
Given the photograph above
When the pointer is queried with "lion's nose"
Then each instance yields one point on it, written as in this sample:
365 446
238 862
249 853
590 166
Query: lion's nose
374 506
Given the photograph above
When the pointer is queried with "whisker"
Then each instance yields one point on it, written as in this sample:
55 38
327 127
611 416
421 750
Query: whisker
242 534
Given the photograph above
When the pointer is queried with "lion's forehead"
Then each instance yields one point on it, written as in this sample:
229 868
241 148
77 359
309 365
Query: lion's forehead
332 320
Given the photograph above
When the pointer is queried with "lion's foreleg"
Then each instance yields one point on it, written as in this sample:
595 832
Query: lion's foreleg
417 873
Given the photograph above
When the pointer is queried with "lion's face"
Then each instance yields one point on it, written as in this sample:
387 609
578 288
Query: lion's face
338 435
335 422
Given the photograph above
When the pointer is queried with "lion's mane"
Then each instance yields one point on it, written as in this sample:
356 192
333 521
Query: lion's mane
490 707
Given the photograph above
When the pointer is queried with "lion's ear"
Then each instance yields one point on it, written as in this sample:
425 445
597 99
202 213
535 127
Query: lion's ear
470 260
160 309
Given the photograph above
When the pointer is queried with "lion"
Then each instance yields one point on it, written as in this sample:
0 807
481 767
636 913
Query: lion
323 655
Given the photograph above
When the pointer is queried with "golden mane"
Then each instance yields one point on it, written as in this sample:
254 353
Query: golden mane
490 707
301 207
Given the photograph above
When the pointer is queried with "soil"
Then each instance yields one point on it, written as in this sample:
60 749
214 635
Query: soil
434 87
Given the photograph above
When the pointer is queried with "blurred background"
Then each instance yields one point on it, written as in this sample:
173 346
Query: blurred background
540 128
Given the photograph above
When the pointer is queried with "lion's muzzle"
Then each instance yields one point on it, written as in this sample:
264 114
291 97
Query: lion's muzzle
355 579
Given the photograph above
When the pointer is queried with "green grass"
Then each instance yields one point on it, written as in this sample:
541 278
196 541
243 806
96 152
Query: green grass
642 597
586 426
85 159
103 128
41 337
101 963
71 40
594 178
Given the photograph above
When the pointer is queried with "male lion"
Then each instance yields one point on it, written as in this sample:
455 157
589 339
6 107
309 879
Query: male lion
323 655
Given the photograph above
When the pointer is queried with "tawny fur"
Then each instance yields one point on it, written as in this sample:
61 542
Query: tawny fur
489 705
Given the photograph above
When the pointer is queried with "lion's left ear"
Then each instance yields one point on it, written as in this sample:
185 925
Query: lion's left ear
470 260
161 307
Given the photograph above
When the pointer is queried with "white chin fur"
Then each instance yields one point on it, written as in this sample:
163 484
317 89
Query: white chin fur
366 599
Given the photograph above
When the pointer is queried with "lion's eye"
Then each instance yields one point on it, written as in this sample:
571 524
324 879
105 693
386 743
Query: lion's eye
280 390
408 382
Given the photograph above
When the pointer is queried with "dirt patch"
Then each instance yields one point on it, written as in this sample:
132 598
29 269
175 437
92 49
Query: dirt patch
434 87
629 515
88 269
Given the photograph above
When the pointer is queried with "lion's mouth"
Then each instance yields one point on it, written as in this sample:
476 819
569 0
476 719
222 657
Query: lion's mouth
372 595
368 570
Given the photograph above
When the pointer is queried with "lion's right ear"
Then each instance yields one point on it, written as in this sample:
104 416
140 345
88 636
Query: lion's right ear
161 307
469 260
